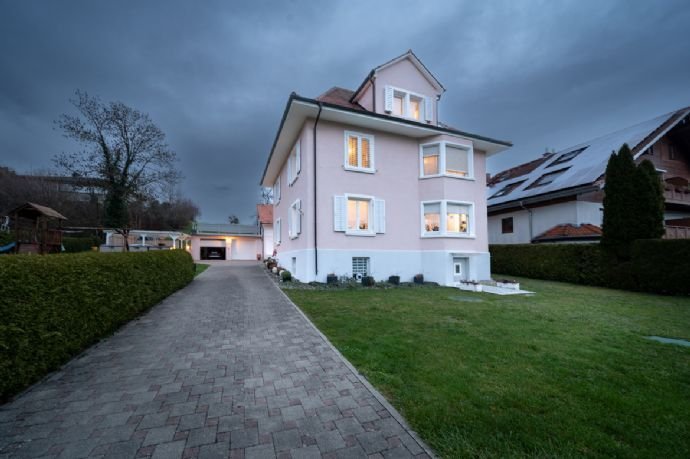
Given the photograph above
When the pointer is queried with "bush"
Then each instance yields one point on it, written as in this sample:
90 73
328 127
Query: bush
395 280
331 279
285 276
54 306
79 244
368 281
656 265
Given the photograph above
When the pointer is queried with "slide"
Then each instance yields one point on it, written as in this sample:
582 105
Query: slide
8 247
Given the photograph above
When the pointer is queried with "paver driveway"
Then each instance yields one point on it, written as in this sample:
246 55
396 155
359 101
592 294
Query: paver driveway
226 367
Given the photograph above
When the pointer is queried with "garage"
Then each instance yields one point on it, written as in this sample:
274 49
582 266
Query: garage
225 242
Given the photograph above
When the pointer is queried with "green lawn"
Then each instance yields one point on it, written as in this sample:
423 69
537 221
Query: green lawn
200 268
567 372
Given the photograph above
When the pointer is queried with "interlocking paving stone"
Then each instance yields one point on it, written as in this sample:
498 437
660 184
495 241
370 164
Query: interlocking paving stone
226 367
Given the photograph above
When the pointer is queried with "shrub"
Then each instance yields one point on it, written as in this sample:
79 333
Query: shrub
285 276
79 244
54 306
656 265
331 279
368 281
395 280
419 278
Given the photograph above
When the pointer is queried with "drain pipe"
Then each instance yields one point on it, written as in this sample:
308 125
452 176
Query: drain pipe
316 246
529 211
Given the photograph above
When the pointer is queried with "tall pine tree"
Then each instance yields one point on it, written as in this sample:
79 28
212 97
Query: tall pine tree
633 203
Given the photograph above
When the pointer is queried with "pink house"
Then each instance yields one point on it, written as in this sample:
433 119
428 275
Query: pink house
369 182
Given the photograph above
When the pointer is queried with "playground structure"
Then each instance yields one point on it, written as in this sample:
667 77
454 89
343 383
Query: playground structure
36 229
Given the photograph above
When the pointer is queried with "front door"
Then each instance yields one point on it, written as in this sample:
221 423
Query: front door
460 267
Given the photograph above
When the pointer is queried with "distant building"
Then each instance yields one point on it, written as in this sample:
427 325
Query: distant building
223 241
558 196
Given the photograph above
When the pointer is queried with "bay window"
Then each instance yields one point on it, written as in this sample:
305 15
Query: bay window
446 159
447 218
359 152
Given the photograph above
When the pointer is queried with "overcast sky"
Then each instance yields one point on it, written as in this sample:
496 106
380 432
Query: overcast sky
215 76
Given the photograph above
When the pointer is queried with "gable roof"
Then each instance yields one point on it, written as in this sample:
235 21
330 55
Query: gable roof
406 55
584 169
32 210
565 232
265 213
340 96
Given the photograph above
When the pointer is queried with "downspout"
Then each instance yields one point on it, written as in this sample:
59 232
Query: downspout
530 220
316 246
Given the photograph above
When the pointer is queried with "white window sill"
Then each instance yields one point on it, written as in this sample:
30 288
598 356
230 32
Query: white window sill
359 233
448 235
359 169
462 177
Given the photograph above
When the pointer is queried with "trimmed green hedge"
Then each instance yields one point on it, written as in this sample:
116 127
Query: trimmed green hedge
79 244
52 307
657 266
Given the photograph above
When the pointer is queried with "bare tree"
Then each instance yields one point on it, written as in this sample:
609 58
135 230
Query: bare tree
123 147
233 219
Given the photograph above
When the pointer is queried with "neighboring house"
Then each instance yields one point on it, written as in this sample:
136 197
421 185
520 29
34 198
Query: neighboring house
558 197
369 182
264 216
145 240
223 241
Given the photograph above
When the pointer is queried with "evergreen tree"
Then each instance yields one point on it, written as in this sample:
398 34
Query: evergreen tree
620 206
650 202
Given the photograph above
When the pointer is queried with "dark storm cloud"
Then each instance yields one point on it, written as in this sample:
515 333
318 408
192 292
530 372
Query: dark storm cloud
216 75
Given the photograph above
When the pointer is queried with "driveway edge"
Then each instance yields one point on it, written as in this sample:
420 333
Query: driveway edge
380 398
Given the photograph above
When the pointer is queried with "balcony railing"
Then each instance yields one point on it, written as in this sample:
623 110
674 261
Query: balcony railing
677 232
677 195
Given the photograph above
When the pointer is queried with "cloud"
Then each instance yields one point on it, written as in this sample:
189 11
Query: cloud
215 76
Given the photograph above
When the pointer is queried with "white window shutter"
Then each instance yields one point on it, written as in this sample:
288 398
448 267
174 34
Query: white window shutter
339 213
290 167
428 109
277 231
298 159
298 217
380 215
388 98
290 223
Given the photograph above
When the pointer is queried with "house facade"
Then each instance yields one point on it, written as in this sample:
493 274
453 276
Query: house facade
369 182
558 197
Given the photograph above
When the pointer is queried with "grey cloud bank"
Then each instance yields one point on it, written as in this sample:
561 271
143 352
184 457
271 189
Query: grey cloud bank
215 75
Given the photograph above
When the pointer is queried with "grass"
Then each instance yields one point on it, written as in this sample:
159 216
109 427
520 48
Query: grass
566 372
200 268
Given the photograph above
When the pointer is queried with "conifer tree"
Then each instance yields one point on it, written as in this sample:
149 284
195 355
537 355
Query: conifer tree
620 204
650 202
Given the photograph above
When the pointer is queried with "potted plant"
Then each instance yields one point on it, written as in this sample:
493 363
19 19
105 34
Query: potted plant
395 280
470 286
285 276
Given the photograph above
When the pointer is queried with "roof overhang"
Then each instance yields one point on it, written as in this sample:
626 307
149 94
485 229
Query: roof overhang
642 147
521 203
299 109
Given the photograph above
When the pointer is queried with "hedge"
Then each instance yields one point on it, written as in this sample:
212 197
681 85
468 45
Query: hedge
657 266
79 244
54 306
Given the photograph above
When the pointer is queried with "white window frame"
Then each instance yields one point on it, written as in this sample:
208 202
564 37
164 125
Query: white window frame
276 190
369 170
357 232
294 163
407 112
277 231
442 160
443 232
294 213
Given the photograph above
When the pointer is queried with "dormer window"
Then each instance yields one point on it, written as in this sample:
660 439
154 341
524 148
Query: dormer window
406 104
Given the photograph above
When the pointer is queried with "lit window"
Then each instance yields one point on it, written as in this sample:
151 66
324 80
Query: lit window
447 159
432 217
430 159
415 108
359 152
405 104
457 218
357 214
447 218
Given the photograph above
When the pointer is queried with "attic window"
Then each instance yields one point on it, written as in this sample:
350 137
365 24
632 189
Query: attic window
565 157
507 189
547 178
